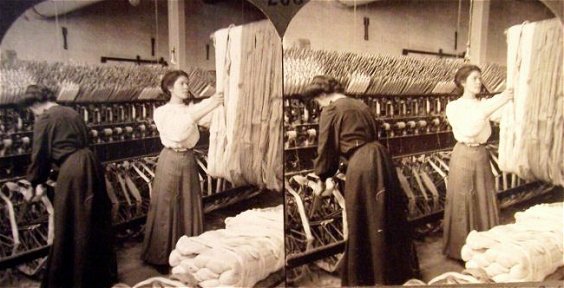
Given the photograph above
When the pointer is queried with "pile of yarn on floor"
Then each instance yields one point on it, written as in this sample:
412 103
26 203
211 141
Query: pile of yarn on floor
250 248
528 250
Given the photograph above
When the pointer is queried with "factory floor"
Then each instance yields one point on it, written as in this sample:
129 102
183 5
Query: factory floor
132 270
432 262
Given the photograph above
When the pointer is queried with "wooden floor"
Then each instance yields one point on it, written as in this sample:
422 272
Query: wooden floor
431 260
432 263
132 270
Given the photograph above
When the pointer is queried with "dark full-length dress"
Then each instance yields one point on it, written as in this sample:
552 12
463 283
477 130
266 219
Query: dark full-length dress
176 201
82 254
379 249
471 201
176 205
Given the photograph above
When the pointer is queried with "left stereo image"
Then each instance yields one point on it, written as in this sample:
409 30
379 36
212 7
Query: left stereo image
141 145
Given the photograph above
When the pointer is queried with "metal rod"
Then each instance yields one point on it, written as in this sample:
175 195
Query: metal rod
440 53
298 259
137 60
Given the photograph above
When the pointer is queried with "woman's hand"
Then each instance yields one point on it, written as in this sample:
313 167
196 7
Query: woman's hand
508 93
321 186
218 98
325 188
329 187
38 192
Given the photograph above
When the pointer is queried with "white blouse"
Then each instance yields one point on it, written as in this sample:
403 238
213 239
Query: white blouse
176 127
468 120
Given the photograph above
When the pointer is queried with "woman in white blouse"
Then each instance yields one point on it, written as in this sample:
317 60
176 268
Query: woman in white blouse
176 206
471 202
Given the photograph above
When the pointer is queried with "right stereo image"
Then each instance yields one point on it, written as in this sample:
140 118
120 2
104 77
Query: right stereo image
423 143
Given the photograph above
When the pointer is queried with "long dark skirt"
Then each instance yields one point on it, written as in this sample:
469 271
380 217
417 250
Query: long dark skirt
176 205
379 249
82 254
471 202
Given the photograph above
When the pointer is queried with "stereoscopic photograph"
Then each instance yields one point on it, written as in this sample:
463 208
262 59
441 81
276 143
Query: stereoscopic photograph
141 144
281 143
422 143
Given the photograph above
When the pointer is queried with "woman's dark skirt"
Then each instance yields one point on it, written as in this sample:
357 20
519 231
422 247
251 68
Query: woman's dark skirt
176 205
471 202
379 249
82 254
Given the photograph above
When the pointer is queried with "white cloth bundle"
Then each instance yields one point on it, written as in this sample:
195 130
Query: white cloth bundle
217 143
249 249
447 278
245 144
227 61
519 45
527 250
532 126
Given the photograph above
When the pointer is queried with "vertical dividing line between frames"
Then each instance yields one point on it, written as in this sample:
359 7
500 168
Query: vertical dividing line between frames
156 30
284 182
283 159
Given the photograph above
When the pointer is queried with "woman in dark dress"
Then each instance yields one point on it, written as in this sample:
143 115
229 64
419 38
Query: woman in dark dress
82 253
379 249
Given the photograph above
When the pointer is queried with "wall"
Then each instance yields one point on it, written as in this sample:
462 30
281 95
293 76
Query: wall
394 25
117 29
108 28
397 24
504 14
204 19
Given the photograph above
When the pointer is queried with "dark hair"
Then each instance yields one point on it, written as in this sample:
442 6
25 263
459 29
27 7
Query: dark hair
461 75
36 94
168 81
323 84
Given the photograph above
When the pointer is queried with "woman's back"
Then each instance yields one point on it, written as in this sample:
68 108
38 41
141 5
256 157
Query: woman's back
352 122
64 129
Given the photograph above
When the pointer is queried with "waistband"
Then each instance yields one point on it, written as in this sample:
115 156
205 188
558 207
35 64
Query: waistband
357 148
179 150
61 161
472 144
